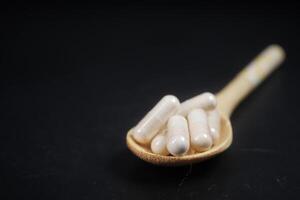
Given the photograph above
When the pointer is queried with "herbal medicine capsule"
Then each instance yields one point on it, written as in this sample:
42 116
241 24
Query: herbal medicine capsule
199 131
148 127
206 101
214 123
159 143
178 139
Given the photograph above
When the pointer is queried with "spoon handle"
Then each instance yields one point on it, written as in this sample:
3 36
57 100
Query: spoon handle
249 78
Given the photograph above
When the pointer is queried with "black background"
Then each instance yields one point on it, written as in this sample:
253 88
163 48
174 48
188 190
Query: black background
75 78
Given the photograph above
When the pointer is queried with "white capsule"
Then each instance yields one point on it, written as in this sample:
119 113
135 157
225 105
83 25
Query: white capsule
214 123
159 143
206 101
199 131
148 127
178 139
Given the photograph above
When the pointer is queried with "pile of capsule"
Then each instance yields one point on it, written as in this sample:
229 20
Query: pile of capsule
180 129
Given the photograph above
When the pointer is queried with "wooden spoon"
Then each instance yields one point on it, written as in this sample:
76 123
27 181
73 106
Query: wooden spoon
228 98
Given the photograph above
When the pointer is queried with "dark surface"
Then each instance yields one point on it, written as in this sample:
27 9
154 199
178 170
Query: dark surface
75 78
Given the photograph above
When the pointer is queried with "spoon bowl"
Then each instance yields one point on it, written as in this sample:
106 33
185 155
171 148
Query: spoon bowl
144 152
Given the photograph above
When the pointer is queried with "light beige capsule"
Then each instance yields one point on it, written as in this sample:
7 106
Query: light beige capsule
214 123
206 101
178 139
199 131
149 126
159 143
